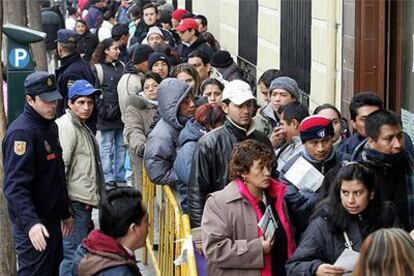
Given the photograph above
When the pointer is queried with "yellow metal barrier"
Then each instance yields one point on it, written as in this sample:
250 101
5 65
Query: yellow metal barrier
191 266
174 229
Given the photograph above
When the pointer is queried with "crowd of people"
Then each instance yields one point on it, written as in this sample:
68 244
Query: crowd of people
275 190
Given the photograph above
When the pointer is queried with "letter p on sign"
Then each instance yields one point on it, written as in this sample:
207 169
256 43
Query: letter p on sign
19 58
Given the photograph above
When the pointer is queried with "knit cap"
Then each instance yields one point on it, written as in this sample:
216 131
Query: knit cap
315 127
142 53
154 57
221 59
286 83
155 30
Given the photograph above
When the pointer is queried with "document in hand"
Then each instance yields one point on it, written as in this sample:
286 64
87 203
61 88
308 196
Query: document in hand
268 224
304 175
348 259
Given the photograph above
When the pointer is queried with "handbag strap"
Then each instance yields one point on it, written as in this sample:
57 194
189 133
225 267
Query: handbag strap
348 243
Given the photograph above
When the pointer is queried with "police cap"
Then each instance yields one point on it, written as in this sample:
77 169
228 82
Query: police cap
42 84
67 36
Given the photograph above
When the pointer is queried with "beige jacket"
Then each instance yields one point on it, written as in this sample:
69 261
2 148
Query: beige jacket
138 117
129 84
81 157
229 234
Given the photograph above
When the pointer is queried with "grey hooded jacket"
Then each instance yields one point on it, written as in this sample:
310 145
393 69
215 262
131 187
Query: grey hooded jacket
160 149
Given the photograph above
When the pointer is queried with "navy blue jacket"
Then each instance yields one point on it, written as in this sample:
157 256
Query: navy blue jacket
72 68
107 106
351 143
34 172
302 202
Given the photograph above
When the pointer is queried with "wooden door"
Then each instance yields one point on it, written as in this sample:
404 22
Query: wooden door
370 43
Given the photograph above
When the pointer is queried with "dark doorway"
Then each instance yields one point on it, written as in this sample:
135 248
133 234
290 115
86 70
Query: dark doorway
189 5
248 20
295 42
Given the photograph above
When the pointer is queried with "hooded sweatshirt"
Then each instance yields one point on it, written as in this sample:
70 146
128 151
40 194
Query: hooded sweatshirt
102 253
160 149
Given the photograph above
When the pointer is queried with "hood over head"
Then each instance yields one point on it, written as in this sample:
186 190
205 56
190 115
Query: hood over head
171 93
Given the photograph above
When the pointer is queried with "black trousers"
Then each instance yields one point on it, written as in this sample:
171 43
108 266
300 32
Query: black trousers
32 262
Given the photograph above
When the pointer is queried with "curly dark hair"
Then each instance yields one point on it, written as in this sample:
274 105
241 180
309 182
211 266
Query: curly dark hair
245 153
99 54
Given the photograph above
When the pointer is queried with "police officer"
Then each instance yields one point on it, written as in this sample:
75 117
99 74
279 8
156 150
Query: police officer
73 67
34 184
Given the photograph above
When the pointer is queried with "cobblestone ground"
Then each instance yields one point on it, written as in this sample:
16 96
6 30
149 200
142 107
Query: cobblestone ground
146 270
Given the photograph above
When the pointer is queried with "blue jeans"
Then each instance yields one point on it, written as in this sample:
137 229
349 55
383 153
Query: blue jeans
112 151
128 171
82 214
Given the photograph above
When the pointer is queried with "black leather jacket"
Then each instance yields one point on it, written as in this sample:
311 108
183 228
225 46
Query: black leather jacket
210 168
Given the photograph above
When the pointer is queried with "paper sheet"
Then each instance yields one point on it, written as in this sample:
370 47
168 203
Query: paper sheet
348 259
304 175
187 245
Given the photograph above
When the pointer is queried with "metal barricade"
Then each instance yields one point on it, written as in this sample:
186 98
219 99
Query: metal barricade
191 266
174 230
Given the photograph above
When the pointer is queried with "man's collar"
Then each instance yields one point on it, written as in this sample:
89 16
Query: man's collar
247 131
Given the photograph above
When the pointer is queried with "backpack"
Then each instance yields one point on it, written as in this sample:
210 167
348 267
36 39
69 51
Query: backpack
99 74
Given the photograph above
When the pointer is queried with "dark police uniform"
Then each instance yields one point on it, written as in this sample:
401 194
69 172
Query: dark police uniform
73 68
35 185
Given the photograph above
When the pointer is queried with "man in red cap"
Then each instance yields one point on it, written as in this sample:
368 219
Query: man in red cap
317 164
191 40
176 17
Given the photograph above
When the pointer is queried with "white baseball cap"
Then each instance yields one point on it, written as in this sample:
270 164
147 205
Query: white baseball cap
238 92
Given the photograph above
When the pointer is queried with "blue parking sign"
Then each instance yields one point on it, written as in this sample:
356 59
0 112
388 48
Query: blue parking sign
19 58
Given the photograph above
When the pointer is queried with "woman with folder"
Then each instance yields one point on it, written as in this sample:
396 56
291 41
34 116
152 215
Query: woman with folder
245 227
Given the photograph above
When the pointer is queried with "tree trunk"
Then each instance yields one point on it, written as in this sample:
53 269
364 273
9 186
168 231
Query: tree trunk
7 254
15 12
35 22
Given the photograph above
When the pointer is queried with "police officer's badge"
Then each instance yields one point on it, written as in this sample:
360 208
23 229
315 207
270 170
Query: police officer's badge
19 147
47 147
49 82
321 133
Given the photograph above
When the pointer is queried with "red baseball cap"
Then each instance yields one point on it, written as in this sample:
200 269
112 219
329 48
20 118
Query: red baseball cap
178 13
187 24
